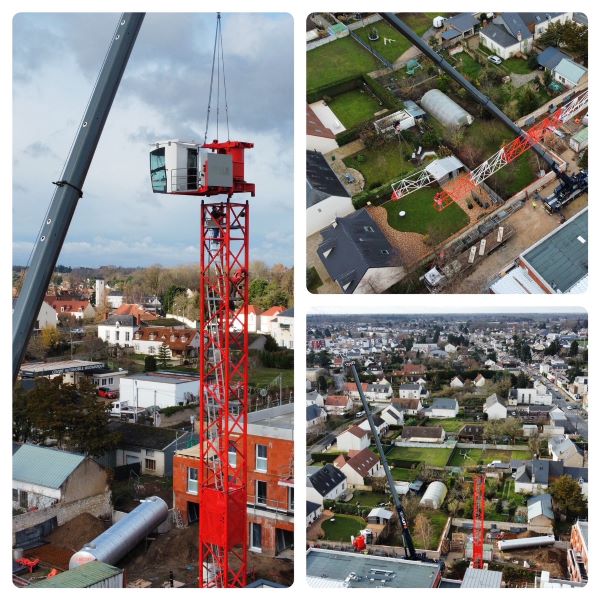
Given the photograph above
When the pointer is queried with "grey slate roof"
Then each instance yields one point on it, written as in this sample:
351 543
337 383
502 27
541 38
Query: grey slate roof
143 436
409 386
535 18
462 22
286 313
354 245
491 400
514 24
499 35
124 320
313 412
311 507
540 506
321 181
326 479
550 57
561 258
46 467
445 404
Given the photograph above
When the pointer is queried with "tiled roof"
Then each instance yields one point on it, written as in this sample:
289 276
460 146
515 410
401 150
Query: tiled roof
363 462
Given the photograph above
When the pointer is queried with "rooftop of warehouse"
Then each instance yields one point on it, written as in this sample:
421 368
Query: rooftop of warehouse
330 568
561 258
84 576
481 578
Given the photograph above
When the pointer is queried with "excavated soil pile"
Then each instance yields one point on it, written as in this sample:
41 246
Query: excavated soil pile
77 532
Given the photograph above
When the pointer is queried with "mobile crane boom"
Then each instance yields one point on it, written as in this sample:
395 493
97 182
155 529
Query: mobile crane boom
69 187
409 547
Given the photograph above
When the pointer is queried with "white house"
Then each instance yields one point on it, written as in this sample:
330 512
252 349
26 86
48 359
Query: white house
337 405
409 407
562 448
47 316
180 341
457 382
538 394
409 391
359 466
114 298
443 408
380 425
392 416
313 397
253 320
450 348
108 378
281 328
494 408
315 416
319 137
480 380
118 330
353 438
380 391
313 512
326 197
569 73
433 435
160 389
328 483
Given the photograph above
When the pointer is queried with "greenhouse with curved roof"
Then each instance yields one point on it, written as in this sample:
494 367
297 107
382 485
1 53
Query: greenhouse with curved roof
434 495
445 110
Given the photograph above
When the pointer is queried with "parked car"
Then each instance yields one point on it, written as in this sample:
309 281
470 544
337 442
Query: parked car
495 59
105 392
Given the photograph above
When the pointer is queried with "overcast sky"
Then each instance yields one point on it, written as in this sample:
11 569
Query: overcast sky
163 95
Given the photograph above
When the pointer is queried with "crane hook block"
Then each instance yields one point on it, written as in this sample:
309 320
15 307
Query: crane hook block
190 169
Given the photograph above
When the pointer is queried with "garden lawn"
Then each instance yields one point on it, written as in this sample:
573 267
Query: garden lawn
391 50
451 425
422 217
467 65
354 107
342 528
334 61
263 376
434 457
485 457
380 165
420 22
517 65
400 474
370 499
438 519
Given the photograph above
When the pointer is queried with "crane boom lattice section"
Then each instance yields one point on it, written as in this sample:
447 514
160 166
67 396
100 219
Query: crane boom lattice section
478 520
223 394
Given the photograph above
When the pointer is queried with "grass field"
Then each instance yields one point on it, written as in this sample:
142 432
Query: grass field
342 528
435 457
477 455
517 65
422 217
336 60
400 474
450 425
467 65
369 499
381 164
420 22
353 107
391 50
262 376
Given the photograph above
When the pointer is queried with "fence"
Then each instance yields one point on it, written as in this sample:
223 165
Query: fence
373 550
384 61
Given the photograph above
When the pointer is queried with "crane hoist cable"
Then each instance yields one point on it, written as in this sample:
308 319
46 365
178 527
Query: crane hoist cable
218 60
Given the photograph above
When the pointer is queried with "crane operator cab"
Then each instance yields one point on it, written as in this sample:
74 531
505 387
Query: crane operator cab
188 168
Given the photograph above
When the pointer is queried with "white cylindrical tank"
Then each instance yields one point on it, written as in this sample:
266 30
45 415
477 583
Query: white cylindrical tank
530 542
434 495
445 110
438 22
109 547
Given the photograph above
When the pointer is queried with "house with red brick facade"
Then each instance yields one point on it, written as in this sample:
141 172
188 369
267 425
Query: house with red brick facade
270 481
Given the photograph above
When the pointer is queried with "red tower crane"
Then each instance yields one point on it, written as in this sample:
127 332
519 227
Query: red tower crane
478 520
212 169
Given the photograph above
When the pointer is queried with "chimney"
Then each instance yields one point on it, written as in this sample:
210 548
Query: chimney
519 36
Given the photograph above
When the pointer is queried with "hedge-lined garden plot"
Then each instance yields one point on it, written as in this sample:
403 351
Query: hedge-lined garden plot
342 527
470 457
334 61
434 457
354 107
396 45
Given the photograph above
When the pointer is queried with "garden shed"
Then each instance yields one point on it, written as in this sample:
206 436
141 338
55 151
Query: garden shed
434 495
445 110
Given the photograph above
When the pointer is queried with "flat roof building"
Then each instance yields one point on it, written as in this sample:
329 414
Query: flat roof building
334 569
481 578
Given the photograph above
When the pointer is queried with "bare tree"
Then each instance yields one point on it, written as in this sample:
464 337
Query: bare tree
424 530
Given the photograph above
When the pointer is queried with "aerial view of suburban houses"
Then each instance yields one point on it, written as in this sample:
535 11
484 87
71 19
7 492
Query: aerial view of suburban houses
447 152
454 454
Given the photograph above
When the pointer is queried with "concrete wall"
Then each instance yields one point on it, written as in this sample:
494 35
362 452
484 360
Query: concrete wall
88 479
99 506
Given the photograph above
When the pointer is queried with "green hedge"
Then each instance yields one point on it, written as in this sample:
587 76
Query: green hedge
280 359
325 457
376 196
389 100
333 89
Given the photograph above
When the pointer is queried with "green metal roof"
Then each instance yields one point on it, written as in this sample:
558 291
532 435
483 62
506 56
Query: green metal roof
562 257
581 135
84 576
570 70
44 466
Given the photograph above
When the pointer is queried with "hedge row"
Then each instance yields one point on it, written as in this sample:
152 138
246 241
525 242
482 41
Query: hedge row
334 89
389 100
324 456
281 359
376 196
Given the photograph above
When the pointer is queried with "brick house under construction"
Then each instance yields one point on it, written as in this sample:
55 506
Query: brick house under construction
270 481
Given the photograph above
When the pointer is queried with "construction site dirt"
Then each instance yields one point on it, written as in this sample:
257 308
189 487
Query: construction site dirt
531 223
551 559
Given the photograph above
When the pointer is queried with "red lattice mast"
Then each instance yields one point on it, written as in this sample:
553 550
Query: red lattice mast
223 394
478 520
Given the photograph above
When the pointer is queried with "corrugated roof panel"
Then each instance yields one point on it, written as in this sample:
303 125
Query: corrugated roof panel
44 466
84 576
